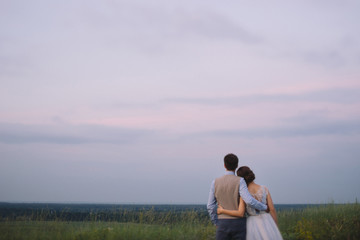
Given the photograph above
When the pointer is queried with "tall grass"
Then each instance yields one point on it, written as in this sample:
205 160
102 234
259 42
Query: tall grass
102 230
117 224
150 215
331 221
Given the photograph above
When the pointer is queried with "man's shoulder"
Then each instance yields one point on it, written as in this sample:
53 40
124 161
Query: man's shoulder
227 177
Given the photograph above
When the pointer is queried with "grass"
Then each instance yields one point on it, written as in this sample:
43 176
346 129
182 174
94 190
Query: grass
102 230
331 221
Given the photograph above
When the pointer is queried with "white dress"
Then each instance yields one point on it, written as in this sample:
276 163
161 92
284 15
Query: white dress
260 225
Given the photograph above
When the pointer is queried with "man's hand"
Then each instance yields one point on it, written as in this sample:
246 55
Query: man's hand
268 209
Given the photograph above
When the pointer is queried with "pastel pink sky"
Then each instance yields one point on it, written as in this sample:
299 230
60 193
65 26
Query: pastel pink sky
125 101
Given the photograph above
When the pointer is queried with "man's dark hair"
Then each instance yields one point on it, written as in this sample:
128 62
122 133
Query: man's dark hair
231 161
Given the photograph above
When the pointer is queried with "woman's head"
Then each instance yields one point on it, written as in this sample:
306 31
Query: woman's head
246 173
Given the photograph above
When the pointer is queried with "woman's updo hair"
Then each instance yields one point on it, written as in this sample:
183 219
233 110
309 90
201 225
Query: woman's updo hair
246 173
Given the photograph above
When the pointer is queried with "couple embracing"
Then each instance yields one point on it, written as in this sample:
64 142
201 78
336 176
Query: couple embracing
232 197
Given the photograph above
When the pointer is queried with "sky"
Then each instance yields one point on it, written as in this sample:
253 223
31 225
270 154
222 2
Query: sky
139 101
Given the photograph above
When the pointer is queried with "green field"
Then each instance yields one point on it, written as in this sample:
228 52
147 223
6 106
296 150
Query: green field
330 221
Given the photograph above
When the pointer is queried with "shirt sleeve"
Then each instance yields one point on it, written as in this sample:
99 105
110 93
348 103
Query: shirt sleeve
248 199
212 204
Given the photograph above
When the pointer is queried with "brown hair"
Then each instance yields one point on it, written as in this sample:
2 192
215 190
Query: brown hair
231 161
246 173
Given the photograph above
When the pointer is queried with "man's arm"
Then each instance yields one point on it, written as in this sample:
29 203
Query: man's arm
248 199
212 204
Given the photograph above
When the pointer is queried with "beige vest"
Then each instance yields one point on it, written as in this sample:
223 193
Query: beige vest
227 193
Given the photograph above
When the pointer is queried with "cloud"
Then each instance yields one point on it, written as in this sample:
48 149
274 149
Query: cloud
217 26
161 22
68 134
333 95
13 66
87 134
296 130
330 58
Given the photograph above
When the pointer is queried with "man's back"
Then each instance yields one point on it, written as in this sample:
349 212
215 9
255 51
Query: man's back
227 193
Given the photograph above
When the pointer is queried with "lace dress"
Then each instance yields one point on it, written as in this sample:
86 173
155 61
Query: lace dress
260 225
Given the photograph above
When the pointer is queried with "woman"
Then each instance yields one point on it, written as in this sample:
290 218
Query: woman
259 225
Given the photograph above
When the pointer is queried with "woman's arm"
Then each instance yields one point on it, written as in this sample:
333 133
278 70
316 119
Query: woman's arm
271 207
235 213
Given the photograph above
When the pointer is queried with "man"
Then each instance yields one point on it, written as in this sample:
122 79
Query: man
226 191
